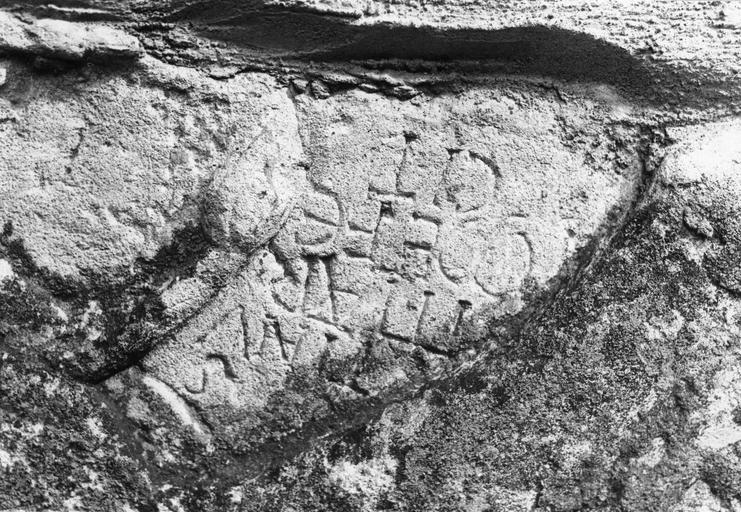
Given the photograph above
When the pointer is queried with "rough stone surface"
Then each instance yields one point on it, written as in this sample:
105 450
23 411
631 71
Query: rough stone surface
63 40
344 256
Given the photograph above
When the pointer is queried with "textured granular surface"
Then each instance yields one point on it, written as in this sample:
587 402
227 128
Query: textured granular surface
364 256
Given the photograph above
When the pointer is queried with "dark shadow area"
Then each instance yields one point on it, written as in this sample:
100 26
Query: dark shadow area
132 317
298 37
319 38
330 40
466 54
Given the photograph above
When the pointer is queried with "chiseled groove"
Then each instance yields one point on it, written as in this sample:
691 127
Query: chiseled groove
178 406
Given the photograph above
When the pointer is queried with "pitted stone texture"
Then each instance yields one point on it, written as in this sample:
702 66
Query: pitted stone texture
247 202
418 224
97 172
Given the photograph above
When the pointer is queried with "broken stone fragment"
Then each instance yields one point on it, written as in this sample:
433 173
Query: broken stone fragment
64 40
